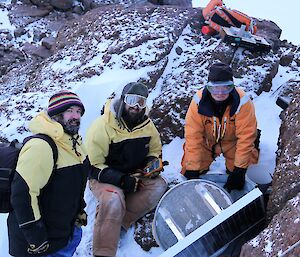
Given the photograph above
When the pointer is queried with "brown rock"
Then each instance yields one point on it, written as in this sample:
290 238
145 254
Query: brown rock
270 31
48 42
63 5
286 60
29 10
143 232
19 32
36 51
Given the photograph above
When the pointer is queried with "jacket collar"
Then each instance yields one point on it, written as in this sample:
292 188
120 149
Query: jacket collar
206 105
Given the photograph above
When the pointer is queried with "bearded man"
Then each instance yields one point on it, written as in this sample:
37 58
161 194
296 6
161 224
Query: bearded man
47 194
121 143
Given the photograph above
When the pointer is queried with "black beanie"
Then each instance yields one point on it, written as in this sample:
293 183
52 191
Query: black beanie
220 72
135 88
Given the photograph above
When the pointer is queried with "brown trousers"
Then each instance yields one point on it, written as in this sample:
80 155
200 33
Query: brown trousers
116 209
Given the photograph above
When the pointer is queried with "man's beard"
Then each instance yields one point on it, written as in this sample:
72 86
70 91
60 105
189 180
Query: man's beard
132 119
70 127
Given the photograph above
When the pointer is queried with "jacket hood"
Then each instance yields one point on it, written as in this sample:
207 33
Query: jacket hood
42 123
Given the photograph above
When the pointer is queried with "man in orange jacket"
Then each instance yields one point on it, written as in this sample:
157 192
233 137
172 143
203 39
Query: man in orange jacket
220 120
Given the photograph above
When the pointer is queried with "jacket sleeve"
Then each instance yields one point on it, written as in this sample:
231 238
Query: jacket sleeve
194 139
155 147
34 168
97 141
246 129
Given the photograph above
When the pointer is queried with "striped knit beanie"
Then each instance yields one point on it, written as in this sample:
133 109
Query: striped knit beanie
62 101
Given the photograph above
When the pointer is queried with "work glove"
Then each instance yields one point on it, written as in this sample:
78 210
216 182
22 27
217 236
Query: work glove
33 249
81 219
236 179
36 236
192 174
130 184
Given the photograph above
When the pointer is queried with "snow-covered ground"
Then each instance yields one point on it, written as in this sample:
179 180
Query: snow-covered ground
268 120
94 97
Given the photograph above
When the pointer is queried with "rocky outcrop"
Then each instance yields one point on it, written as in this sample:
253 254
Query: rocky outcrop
184 3
282 234
281 237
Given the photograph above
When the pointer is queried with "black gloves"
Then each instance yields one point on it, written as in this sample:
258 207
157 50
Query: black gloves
192 174
81 219
236 179
33 249
111 176
36 236
130 184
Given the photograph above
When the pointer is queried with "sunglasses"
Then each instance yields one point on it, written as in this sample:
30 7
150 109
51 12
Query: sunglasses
135 100
220 87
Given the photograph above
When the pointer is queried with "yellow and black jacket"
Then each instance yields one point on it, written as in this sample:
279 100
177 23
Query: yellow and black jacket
113 146
46 201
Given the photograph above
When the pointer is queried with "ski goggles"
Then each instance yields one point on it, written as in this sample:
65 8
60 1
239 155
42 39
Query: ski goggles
135 100
220 87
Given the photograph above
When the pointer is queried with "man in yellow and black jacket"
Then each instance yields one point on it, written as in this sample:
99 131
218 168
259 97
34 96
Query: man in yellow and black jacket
220 120
48 202
120 144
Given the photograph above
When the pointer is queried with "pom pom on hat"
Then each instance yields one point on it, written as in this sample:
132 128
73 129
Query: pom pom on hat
63 100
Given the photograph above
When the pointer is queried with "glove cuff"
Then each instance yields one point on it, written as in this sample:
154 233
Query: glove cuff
192 174
35 233
239 170
129 184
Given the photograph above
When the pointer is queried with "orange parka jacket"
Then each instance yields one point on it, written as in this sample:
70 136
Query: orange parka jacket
207 136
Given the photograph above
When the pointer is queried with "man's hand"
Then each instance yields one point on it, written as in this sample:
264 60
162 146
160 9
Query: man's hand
236 179
36 237
33 249
130 184
81 219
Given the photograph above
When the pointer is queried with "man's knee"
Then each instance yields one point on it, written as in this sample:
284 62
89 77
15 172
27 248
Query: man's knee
162 184
112 206
156 190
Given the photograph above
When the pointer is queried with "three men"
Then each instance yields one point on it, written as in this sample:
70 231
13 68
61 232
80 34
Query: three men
220 119
48 202
121 143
